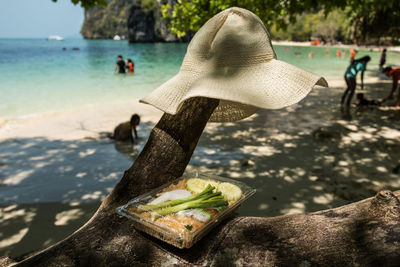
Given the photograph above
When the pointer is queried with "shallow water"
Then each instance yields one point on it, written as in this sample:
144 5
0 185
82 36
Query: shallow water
39 76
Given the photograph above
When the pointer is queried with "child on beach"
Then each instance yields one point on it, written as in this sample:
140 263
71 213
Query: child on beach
123 132
350 78
395 74
365 102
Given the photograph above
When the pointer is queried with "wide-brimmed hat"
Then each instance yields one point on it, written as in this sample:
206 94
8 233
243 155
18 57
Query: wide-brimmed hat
231 58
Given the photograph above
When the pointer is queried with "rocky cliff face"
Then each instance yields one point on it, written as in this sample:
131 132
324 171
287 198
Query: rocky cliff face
105 23
136 20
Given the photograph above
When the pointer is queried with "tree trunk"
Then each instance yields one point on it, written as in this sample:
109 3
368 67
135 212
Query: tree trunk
366 233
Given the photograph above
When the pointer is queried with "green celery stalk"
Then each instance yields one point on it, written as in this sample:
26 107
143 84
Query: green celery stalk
205 202
205 192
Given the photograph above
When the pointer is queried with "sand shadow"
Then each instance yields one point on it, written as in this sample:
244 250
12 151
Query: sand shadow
306 157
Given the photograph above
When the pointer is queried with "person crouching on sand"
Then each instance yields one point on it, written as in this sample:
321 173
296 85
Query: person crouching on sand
123 132
395 74
350 77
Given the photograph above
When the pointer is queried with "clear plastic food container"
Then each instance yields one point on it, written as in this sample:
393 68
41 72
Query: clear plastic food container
183 211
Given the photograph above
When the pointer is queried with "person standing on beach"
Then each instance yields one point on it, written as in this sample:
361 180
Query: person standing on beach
383 59
120 66
395 74
350 78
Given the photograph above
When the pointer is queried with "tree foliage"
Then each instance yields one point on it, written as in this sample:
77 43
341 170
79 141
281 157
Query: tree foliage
367 18
88 3
363 19
192 14
332 27
376 19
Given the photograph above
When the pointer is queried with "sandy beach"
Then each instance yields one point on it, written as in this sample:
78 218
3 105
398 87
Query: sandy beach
370 47
57 167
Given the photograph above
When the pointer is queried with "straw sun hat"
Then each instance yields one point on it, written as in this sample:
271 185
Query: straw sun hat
231 58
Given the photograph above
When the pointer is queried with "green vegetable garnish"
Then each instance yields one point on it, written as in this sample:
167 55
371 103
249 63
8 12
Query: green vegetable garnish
205 199
205 202
189 227
207 190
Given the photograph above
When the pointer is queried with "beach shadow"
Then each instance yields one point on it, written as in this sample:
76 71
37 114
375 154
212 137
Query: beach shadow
306 157
49 188
27 228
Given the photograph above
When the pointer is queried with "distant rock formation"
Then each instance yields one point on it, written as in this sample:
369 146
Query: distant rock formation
105 23
138 21
141 25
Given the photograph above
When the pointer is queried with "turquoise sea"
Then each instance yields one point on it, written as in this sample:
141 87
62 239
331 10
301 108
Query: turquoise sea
37 75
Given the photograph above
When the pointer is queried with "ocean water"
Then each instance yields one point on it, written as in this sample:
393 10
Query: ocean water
38 76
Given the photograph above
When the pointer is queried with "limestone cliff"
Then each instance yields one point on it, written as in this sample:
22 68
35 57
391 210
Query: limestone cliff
136 20
105 23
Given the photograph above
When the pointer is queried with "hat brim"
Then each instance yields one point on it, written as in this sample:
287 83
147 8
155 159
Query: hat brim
272 84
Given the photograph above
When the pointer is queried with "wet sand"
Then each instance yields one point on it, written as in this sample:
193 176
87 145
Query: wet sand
56 168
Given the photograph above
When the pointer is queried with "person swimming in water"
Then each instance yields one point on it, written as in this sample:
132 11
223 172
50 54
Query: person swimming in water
350 78
130 66
123 132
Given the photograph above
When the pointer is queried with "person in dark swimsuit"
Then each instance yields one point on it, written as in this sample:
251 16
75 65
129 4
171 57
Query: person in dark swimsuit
120 66
123 132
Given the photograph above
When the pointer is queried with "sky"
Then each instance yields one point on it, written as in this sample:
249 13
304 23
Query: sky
39 18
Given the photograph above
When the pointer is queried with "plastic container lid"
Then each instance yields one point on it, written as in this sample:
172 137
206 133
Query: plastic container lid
184 228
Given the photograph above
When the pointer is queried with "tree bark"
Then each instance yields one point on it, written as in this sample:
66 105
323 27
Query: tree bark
366 233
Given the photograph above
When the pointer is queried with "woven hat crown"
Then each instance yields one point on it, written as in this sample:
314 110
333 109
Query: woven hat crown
234 36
